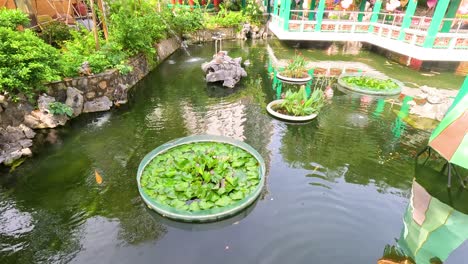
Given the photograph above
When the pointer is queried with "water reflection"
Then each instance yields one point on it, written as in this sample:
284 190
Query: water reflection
436 219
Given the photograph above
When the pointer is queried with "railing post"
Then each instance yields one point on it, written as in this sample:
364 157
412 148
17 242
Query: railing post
375 14
408 18
433 29
451 12
320 11
286 14
362 8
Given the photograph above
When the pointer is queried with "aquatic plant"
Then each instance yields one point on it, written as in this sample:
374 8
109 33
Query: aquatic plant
58 108
296 67
370 83
201 176
297 104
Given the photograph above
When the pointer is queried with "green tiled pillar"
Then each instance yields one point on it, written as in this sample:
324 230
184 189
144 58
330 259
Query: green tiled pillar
433 29
375 14
312 7
321 9
362 8
412 4
275 7
451 12
286 13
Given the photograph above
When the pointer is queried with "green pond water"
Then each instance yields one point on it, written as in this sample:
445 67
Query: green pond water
338 189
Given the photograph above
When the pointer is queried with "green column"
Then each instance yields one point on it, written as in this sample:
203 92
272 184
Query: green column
451 12
321 9
243 4
362 8
433 29
286 13
312 7
375 14
275 7
412 4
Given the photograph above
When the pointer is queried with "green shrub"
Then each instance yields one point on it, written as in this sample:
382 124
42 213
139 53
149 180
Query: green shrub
184 21
12 18
225 18
58 108
136 28
56 33
26 61
82 48
253 13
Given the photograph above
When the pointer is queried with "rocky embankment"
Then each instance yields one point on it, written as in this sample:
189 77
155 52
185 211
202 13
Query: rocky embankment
85 94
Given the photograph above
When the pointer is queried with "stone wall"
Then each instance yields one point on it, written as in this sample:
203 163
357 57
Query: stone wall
101 91
85 94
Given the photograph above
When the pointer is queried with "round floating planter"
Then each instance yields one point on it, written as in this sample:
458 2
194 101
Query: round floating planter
368 90
290 80
296 119
229 152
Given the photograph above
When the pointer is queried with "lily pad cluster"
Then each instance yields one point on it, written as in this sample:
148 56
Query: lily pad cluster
201 176
370 83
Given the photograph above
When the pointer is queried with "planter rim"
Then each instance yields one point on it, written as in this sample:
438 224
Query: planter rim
287 117
359 89
208 215
293 80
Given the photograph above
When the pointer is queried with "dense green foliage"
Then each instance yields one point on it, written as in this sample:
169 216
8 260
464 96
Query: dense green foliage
296 67
370 83
26 61
200 176
136 28
58 108
297 104
253 13
224 18
12 18
184 21
55 33
81 48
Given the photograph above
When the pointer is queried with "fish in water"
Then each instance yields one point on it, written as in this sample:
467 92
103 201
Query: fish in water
247 63
98 177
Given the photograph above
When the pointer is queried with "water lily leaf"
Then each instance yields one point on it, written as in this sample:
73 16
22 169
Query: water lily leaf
214 197
221 190
206 205
223 201
236 164
194 206
206 176
182 186
177 204
236 195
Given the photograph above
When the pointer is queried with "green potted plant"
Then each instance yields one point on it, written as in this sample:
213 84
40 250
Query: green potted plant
296 71
296 106
368 84
201 178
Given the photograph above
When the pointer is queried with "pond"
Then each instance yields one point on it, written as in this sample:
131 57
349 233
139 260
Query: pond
338 189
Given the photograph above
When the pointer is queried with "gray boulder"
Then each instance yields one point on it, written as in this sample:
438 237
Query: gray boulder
224 68
75 100
97 105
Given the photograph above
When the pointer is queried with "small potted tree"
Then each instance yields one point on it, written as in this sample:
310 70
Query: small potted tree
295 72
